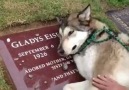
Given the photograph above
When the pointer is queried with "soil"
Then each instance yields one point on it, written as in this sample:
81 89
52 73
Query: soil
26 27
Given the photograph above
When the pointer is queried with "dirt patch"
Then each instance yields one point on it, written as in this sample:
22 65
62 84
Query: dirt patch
26 27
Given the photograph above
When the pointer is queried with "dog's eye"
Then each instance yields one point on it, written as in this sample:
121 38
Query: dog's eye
70 33
74 47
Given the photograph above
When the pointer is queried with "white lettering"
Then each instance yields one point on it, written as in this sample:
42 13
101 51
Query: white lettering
35 68
55 61
57 77
70 72
34 51
50 36
17 44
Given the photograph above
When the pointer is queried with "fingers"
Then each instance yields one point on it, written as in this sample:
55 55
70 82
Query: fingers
99 81
108 78
104 82
102 78
100 86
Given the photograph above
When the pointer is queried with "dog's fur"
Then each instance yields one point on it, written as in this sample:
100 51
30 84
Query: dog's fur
106 58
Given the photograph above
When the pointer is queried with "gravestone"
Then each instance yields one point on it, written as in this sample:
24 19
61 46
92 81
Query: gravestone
121 19
33 63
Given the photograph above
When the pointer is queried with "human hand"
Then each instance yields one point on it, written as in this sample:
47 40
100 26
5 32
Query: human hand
106 83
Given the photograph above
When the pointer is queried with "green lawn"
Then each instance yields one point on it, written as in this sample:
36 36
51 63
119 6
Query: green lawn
14 12
3 82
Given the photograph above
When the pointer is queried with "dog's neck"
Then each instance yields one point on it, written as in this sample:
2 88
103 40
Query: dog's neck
102 36
97 25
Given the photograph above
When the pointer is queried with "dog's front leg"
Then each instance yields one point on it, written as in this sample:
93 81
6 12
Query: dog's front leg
84 85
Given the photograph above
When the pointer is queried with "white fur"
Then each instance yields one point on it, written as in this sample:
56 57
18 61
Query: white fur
77 38
86 62
124 37
121 74
86 14
60 31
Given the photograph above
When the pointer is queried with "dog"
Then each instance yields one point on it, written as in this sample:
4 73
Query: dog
105 58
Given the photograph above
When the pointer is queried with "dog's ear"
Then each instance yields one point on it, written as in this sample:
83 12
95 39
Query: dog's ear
85 14
62 22
59 20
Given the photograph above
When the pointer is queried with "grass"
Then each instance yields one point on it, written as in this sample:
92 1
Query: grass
3 82
13 12
119 3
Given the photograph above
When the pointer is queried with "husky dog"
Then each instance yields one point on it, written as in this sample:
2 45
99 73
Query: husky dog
105 58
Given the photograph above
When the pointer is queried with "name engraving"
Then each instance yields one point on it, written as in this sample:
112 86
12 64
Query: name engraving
122 23
17 44
34 54
121 19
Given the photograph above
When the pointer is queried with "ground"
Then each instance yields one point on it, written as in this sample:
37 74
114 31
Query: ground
21 15
17 12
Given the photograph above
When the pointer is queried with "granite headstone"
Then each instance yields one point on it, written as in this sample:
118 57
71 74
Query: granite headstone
33 63
121 19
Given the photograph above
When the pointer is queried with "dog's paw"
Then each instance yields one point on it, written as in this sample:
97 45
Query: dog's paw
68 87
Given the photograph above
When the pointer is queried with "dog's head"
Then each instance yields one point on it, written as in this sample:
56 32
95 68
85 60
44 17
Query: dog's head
74 31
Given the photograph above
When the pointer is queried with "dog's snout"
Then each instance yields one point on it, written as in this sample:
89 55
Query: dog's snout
61 52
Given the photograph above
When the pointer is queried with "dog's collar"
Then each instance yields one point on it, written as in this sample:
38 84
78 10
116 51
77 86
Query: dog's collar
93 39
